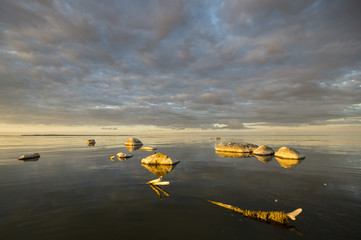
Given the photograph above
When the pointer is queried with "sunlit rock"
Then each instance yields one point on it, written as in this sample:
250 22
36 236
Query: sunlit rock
91 142
123 155
289 153
263 150
158 158
234 154
236 147
133 142
148 148
288 162
32 156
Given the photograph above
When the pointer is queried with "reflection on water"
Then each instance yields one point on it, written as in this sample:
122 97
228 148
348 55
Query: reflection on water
132 148
76 192
160 171
234 154
30 159
264 159
288 163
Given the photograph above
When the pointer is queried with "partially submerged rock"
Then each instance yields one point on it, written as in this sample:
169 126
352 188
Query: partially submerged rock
263 150
133 142
91 142
158 159
148 148
288 153
32 156
236 147
123 155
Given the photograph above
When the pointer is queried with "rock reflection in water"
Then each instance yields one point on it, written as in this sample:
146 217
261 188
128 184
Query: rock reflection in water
264 159
288 163
132 148
160 171
234 154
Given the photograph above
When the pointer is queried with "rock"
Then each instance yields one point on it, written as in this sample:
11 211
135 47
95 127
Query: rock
158 158
148 148
133 142
31 156
123 155
289 153
236 147
263 150
91 142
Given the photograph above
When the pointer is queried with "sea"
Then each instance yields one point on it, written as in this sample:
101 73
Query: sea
76 191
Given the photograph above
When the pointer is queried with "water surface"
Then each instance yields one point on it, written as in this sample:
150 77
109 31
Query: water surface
75 191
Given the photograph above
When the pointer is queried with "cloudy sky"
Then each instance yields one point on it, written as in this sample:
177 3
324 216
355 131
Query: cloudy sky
229 64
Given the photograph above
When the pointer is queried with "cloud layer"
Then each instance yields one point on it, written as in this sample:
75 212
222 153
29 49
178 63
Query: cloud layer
179 64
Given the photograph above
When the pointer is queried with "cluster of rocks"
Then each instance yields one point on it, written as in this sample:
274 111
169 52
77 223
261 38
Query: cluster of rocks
263 150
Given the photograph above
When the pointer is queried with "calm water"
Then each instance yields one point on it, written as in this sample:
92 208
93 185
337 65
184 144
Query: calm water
76 192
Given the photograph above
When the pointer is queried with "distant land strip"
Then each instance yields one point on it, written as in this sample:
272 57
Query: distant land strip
62 135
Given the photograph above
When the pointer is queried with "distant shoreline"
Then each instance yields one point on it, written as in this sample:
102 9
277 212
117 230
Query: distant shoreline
68 135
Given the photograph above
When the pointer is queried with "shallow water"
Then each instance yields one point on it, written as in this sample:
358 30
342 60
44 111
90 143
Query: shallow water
76 192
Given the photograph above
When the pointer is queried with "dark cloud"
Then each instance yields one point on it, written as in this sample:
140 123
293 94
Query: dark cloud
180 64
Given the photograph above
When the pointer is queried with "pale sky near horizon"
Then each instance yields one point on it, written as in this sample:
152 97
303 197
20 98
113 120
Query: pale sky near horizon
113 66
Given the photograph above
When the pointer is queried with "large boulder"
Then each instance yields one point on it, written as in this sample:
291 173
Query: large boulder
288 153
236 147
263 150
133 142
158 159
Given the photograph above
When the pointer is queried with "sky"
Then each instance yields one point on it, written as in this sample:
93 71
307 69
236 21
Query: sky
179 65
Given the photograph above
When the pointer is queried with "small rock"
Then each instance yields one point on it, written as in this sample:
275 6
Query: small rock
133 142
236 147
91 142
263 150
123 155
147 148
158 158
289 153
29 156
